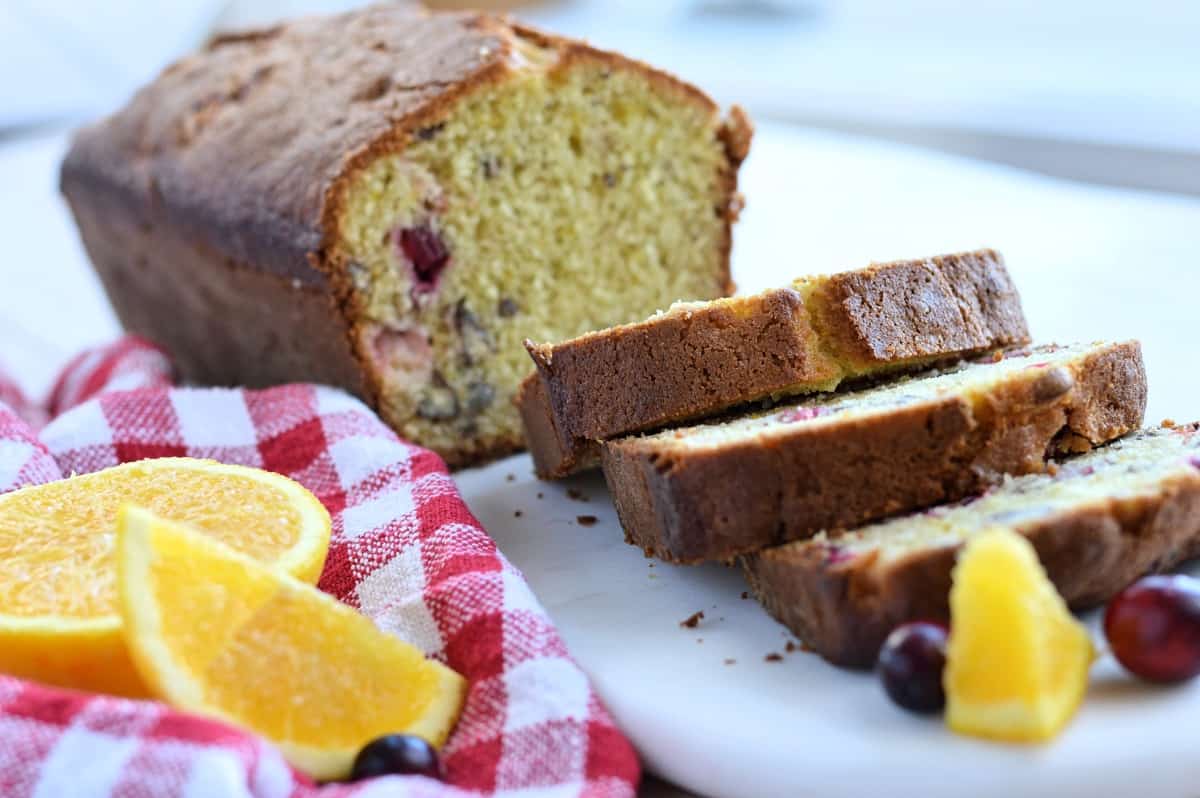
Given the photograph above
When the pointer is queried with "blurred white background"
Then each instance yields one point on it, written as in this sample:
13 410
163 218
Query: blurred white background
1096 90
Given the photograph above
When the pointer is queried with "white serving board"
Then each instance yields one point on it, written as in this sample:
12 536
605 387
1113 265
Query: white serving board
1090 263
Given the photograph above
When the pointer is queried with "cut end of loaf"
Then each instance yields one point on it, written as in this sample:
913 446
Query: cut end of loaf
571 194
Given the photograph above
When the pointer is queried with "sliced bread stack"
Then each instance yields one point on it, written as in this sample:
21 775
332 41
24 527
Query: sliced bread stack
842 437
701 358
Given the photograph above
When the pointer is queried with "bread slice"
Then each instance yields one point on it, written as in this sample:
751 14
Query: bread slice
391 201
836 461
701 358
1098 521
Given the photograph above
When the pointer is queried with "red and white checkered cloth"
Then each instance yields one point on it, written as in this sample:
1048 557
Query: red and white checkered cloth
406 551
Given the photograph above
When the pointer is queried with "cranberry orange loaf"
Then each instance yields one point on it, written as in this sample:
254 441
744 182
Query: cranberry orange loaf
1098 522
717 490
392 201
700 358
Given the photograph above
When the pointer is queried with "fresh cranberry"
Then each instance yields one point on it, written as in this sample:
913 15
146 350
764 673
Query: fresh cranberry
911 663
835 555
396 754
426 251
1153 628
800 414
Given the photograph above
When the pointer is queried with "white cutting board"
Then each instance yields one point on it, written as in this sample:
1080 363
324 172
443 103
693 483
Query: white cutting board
1090 263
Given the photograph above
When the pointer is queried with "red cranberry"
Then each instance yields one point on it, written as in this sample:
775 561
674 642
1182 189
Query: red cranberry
800 414
426 251
1153 628
835 555
396 754
911 663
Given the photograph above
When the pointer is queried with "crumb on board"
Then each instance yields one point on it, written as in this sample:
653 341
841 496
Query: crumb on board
790 647
510 477
541 495
745 595
1169 423
517 513
693 620
650 564
730 661
575 495
699 639
774 656
586 520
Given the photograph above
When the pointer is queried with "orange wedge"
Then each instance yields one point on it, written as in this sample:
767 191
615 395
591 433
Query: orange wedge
1017 661
216 632
59 621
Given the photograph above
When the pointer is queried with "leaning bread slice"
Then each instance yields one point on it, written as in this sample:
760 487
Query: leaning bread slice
700 358
1098 522
836 461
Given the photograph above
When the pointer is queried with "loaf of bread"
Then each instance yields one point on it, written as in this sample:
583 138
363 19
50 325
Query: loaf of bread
697 359
716 490
1098 521
391 201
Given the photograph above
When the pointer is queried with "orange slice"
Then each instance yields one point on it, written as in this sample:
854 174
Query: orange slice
1017 661
59 622
216 632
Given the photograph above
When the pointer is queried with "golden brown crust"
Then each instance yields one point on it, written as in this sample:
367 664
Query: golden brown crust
898 311
675 366
717 502
844 610
702 359
239 157
236 326
554 455
737 132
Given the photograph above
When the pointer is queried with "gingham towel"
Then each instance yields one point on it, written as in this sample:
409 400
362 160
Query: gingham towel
406 551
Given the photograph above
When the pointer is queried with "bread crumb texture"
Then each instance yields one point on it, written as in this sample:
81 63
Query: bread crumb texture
563 198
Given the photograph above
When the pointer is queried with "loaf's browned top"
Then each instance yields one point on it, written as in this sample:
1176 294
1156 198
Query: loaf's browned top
242 140
703 358
243 143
